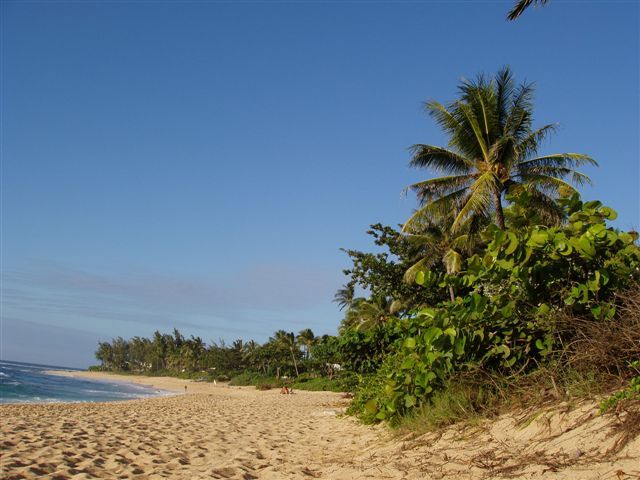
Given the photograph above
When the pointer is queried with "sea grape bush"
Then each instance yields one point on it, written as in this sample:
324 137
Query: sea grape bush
508 298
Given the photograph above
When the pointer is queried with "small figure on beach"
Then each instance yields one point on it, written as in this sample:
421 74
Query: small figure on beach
185 389
286 390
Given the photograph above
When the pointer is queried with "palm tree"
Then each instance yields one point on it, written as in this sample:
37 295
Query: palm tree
492 150
438 244
283 340
249 353
521 5
367 313
344 296
307 339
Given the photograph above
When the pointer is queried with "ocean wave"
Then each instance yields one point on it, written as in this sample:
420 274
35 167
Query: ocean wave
30 384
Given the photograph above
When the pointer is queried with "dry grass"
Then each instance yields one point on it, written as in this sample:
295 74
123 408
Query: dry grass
608 346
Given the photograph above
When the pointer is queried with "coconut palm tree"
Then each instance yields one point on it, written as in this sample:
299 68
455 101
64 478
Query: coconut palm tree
344 297
249 353
284 341
367 313
307 339
437 244
492 150
521 5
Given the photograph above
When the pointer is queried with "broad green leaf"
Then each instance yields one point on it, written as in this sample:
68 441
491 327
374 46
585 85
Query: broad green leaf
538 239
431 334
410 343
408 363
371 406
609 213
513 243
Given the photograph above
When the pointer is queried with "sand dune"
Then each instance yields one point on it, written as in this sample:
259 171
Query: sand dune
241 433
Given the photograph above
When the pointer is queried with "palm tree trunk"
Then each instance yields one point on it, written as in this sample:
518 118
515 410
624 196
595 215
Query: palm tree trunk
295 364
451 293
499 212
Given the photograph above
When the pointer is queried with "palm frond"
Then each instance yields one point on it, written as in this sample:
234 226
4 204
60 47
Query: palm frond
547 183
518 121
573 176
519 8
570 160
478 201
504 92
409 276
503 151
439 159
443 116
474 124
529 145
437 187
452 261
454 121
435 209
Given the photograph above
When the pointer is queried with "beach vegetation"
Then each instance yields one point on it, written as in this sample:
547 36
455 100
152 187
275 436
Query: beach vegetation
501 276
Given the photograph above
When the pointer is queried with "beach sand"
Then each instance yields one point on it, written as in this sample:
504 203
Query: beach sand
242 433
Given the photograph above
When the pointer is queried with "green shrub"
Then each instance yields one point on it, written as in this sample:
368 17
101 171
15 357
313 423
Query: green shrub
506 321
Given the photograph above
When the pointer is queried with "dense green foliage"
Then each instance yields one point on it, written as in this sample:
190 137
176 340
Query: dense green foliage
283 355
510 294
515 270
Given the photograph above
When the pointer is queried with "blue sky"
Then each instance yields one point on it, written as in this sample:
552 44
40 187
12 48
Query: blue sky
199 164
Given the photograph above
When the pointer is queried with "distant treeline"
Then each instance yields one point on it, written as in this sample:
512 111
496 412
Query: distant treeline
284 354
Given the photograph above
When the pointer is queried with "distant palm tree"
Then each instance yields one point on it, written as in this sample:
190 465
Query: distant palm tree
492 149
286 341
307 339
344 296
520 6
249 353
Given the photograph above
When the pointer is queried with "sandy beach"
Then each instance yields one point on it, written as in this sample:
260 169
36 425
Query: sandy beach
216 431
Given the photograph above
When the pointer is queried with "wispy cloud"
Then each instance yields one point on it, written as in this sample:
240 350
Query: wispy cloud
240 304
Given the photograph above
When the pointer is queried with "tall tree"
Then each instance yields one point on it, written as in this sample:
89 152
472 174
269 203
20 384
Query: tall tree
367 313
284 341
344 296
306 338
492 149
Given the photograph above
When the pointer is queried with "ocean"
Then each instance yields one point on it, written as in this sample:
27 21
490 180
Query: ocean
27 383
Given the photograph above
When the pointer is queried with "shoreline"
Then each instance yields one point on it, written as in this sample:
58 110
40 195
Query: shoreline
169 384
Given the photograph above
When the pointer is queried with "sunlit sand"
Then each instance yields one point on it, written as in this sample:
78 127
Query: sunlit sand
242 433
